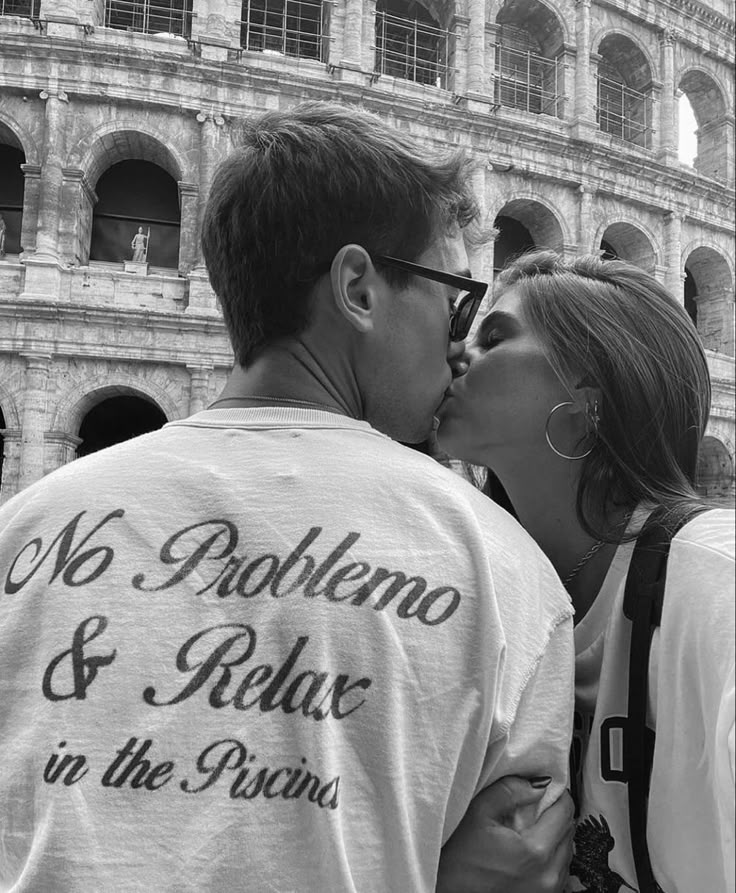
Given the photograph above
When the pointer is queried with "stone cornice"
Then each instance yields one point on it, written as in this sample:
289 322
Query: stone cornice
687 11
172 330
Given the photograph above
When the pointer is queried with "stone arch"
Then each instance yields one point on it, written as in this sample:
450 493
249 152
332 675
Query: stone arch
77 402
525 222
710 267
715 471
16 197
412 41
125 141
624 85
529 70
539 13
627 45
709 283
13 133
547 226
705 93
630 242
714 127
9 408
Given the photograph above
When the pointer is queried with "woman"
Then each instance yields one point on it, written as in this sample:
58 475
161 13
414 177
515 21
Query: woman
586 392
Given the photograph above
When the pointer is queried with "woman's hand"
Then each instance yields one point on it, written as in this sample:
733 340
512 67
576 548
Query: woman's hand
499 848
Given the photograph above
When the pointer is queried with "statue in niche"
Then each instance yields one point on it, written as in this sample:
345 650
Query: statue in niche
3 228
140 245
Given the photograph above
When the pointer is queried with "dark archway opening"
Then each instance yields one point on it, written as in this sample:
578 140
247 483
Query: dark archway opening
513 240
133 194
115 420
691 291
11 199
609 252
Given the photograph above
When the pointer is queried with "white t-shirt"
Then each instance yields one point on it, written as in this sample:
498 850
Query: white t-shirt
265 650
690 829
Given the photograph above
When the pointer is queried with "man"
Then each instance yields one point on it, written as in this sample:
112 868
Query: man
267 647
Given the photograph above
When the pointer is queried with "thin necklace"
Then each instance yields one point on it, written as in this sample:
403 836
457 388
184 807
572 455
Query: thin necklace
624 523
583 561
276 401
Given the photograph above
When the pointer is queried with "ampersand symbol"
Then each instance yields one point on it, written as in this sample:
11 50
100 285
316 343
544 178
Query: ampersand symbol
84 669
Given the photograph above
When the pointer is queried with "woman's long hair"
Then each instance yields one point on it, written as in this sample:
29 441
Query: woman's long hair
607 324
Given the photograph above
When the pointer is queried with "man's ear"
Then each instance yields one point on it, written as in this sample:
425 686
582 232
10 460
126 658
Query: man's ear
355 286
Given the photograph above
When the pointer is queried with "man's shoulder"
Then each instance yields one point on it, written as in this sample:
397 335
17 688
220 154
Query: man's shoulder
87 476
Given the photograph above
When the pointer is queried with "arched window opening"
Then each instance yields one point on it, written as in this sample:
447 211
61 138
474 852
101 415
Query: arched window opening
687 147
529 66
133 194
29 8
117 419
691 293
708 125
624 101
11 199
709 287
524 224
625 242
150 16
288 27
513 240
715 472
410 43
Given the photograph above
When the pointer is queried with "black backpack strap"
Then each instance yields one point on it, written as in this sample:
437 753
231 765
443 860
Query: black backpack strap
643 601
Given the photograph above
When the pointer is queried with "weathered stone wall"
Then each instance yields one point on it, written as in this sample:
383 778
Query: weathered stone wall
77 97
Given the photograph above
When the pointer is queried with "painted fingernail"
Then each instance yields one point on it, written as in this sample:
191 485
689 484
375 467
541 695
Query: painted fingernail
540 781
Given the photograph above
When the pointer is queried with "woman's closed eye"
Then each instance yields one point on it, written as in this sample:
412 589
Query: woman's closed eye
490 338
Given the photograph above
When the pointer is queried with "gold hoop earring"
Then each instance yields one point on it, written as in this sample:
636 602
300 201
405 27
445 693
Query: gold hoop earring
549 440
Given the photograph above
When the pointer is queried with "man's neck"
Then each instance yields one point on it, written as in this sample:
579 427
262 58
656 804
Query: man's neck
287 374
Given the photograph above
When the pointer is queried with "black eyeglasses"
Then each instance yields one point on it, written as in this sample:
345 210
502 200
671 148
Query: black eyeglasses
468 302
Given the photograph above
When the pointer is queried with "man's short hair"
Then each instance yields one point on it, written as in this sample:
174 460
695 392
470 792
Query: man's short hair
302 184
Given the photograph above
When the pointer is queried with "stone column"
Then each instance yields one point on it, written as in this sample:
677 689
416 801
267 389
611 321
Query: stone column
199 387
667 106
210 28
188 227
11 463
201 296
584 125
49 204
476 68
31 193
209 135
567 62
585 220
352 44
674 275
33 419
716 149
61 448
457 62
62 18
368 54
492 38
43 271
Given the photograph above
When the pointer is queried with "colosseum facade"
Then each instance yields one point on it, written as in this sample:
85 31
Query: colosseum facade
114 113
